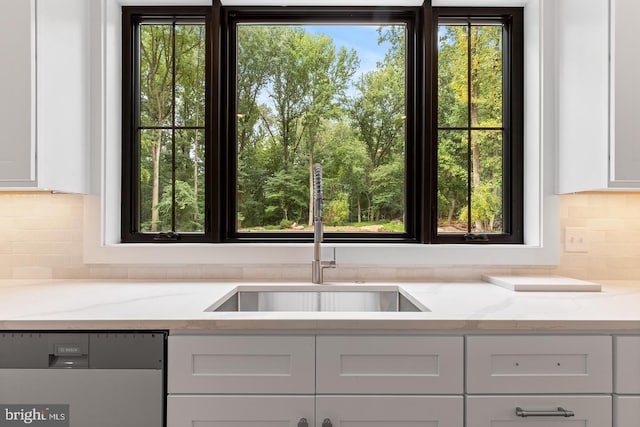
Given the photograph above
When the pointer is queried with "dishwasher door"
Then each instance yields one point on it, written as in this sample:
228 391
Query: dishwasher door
82 380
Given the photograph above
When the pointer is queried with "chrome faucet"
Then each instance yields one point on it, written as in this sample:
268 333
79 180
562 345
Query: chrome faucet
317 265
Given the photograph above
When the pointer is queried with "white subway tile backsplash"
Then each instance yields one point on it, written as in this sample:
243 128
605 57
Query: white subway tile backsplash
32 272
41 237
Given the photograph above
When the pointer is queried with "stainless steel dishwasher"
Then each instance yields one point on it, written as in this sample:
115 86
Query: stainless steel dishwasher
82 379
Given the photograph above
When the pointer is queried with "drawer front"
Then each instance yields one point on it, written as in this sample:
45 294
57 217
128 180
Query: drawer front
240 411
539 364
627 366
626 411
389 365
245 364
493 411
390 411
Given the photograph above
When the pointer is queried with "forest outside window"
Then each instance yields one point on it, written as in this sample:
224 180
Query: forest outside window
417 123
478 124
166 124
325 90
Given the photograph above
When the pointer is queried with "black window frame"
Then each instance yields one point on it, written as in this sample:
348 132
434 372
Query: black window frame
513 121
409 16
132 17
421 143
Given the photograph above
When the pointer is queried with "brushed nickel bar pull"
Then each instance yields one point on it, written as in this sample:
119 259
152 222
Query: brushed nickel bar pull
559 412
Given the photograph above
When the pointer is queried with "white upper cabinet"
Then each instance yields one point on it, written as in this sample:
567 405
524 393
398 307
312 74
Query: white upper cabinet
17 92
597 94
44 107
625 94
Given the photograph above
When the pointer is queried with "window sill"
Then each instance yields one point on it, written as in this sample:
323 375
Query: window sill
98 251
346 254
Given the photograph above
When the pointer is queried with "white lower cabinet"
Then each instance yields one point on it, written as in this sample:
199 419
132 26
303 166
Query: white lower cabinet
389 411
403 381
241 364
308 381
626 411
539 381
240 411
389 365
539 411
626 400
539 364
312 411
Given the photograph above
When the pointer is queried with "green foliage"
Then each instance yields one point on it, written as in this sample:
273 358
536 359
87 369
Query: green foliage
188 214
158 107
337 211
482 155
285 198
301 100
385 182
285 223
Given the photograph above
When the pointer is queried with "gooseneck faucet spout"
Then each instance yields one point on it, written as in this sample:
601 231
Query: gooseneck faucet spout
317 265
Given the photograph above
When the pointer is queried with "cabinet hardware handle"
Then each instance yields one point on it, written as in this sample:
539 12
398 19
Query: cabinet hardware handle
327 423
559 412
303 422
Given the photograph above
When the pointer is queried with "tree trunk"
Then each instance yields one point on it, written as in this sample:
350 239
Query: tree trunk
155 189
195 175
452 209
475 146
311 190
359 210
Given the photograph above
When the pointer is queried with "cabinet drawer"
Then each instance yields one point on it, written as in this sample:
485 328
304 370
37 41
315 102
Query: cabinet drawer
626 411
240 411
389 365
245 364
627 366
539 364
391 411
490 411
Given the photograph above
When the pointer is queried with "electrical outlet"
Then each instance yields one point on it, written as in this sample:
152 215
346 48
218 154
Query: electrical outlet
575 240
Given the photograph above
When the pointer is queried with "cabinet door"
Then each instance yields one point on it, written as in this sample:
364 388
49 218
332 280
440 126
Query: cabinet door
389 411
502 411
240 411
389 365
241 364
625 96
626 411
17 93
539 364
627 365
581 82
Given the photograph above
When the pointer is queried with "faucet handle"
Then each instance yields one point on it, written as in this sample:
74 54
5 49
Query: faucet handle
328 264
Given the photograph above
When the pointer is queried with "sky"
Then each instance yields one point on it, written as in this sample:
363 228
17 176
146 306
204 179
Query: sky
361 38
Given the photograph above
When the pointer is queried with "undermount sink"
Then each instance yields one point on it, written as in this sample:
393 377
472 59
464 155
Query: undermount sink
325 298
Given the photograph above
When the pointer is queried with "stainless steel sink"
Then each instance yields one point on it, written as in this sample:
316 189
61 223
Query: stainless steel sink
326 298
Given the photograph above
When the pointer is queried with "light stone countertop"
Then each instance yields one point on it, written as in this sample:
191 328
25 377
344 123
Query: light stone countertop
177 305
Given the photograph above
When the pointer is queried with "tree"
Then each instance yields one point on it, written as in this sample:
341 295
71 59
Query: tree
159 108
379 113
300 79
482 80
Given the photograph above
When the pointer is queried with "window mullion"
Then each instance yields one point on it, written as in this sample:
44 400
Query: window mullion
173 127
469 124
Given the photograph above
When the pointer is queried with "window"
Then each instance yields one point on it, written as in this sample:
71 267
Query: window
477 125
221 134
166 124
328 88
